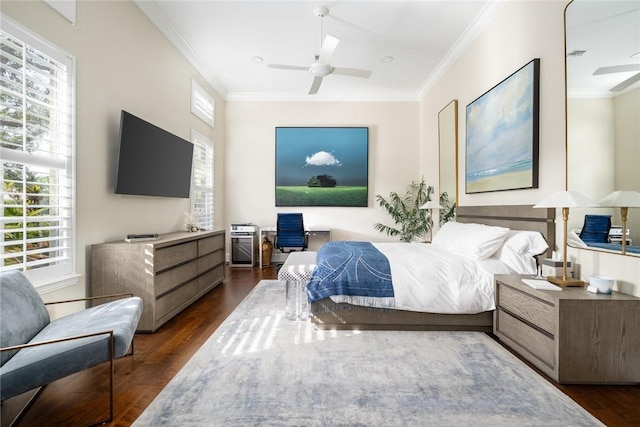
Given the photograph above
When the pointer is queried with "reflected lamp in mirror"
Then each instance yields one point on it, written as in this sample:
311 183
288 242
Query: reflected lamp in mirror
431 205
565 200
623 200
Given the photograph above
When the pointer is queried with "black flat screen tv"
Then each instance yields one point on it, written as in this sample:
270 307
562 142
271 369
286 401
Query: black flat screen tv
152 161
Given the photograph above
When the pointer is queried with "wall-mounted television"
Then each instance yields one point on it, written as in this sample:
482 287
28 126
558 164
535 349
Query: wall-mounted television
151 161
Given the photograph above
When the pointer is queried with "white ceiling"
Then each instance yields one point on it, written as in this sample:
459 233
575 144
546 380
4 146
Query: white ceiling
609 34
222 38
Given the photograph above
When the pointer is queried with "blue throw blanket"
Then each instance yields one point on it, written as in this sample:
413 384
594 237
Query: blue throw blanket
350 268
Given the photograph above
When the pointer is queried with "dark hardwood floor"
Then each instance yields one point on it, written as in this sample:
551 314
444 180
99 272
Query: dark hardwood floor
83 398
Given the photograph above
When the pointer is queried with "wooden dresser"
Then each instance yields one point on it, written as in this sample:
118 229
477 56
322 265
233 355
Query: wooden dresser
574 336
168 274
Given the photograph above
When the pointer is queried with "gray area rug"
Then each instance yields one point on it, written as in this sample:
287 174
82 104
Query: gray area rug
260 369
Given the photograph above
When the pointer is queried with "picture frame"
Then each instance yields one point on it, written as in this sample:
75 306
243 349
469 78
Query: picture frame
502 134
322 166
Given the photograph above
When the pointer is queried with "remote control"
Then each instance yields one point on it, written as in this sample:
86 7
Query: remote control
142 236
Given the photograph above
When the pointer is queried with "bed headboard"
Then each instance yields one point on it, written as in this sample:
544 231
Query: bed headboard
515 217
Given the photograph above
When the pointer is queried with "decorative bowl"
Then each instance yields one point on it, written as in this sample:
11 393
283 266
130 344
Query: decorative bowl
603 284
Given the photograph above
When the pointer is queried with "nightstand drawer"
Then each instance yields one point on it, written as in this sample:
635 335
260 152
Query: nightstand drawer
527 307
532 340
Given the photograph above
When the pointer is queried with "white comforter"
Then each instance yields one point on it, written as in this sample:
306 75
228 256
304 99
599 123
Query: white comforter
430 279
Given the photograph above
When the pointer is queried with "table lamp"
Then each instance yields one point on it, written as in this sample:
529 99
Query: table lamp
565 200
623 200
431 205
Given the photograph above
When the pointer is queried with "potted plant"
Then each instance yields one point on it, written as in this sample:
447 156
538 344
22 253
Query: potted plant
412 223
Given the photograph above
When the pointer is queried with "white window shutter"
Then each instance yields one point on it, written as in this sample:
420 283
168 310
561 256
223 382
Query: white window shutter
37 151
202 191
202 104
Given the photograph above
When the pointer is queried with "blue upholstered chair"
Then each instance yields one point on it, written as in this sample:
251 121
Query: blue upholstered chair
35 350
290 233
596 229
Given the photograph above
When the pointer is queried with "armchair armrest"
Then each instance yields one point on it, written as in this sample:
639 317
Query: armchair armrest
122 295
57 340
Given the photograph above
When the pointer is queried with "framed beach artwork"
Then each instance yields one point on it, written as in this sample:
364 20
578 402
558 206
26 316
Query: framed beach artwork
502 134
322 166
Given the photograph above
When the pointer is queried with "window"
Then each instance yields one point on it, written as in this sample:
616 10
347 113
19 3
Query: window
202 104
202 180
37 150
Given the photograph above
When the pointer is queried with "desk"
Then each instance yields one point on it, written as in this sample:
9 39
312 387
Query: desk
318 235
615 235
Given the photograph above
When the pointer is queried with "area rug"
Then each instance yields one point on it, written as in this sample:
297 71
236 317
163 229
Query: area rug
259 369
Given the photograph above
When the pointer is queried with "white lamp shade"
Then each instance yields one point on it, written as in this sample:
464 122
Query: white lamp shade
431 204
621 199
566 199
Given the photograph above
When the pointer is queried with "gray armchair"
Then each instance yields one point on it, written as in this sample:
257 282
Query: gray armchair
36 351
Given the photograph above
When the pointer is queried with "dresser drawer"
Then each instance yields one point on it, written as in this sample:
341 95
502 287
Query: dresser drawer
210 244
174 255
532 340
209 261
215 275
176 298
169 279
529 308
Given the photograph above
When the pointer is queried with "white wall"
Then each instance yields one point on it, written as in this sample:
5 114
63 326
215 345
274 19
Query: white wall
123 62
513 38
591 147
250 159
521 31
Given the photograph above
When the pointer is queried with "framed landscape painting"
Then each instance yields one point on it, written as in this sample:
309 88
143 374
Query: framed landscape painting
502 134
322 166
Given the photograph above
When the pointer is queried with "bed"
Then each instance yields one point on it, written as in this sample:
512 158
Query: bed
327 313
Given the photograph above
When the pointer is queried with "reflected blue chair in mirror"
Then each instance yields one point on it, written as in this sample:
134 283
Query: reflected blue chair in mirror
596 229
290 233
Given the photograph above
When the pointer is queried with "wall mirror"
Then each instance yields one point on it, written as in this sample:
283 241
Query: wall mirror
602 42
448 151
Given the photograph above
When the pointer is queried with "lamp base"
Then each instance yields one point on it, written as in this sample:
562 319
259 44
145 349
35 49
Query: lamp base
558 280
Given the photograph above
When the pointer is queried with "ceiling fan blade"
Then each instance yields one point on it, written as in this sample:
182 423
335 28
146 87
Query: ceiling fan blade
315 85
288 67
353 72
328 46
625 84
617 69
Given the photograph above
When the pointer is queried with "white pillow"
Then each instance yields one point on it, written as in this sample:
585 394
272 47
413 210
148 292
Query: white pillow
519 249
574 240
525 242
477 241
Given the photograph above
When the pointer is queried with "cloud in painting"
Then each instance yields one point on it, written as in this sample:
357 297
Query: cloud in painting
322 158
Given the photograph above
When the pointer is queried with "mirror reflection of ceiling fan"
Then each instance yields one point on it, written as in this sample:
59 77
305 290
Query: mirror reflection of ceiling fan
322 67
621 69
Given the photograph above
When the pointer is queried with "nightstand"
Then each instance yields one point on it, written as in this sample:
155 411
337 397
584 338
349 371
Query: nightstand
572 335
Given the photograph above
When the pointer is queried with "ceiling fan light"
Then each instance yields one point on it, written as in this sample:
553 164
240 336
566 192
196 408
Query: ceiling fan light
320 70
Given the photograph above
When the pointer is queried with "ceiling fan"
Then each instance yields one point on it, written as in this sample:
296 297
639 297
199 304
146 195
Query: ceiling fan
620 69
322 67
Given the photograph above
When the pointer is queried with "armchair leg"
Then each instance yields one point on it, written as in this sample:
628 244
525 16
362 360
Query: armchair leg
25 408
111 381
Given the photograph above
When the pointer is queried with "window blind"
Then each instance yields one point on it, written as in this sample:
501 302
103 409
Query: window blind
202 180
202 104
37 152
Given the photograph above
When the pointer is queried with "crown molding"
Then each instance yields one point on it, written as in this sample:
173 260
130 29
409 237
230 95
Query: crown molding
480 22
154 14
334 97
